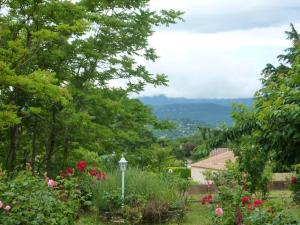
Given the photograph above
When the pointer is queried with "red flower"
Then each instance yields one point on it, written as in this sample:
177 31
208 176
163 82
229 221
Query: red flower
257 202
67 172
294 180
204 200
93 173
209 198
70 171
63 173
81 165
246 200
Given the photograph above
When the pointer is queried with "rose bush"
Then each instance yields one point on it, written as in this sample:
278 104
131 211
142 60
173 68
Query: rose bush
234 205
26 199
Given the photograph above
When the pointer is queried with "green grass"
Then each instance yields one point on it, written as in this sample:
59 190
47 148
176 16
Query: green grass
143 184
196 215
283 199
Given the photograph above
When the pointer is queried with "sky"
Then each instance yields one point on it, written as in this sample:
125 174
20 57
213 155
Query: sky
222 47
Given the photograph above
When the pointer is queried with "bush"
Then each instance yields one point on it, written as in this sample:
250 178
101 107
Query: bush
33 202
235 205
295 185
263 216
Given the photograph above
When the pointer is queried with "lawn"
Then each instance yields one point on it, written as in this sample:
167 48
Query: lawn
199 214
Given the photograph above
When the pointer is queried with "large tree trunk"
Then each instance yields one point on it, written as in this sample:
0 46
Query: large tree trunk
33 150
12 155
51 141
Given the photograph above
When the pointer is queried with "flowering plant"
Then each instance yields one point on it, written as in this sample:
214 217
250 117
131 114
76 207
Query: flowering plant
206 199
27 199
77 186
81 166
295 188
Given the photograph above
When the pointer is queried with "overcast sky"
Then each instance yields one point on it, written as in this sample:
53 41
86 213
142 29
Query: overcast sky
221 48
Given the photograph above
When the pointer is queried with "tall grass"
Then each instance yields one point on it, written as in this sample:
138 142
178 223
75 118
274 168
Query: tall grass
147 185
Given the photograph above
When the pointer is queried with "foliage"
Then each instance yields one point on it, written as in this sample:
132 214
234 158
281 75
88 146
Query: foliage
268 132
57 71
239 206
33 202
54 201
138 183
262 216
182 172
156 157
196 146
295 185
146 194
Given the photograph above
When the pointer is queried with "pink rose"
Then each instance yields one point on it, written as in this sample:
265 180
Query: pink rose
1 204
219 212
51 183
7 208
209 183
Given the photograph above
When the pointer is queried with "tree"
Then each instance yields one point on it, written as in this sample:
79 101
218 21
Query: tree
57 59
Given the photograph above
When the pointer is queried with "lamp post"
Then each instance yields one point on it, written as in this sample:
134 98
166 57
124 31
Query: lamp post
123 164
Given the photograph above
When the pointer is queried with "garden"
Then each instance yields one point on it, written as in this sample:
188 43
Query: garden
64 127
87 195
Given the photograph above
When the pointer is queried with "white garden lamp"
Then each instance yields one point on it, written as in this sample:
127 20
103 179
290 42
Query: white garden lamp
123 164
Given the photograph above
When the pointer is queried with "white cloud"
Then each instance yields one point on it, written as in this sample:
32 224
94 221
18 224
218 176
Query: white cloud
215 65
221 49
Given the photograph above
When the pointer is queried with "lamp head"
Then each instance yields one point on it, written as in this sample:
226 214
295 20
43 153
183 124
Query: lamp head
123 163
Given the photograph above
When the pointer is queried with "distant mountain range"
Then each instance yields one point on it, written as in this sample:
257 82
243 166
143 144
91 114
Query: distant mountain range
190 113
163 100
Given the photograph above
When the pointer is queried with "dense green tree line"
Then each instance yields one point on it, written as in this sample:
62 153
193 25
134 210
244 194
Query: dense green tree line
57 59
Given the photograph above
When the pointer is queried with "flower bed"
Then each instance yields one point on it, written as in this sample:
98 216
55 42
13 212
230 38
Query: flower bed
235 205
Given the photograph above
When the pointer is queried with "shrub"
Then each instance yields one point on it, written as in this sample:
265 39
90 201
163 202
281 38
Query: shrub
76 189
238 206
295 185
32 201
263 216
